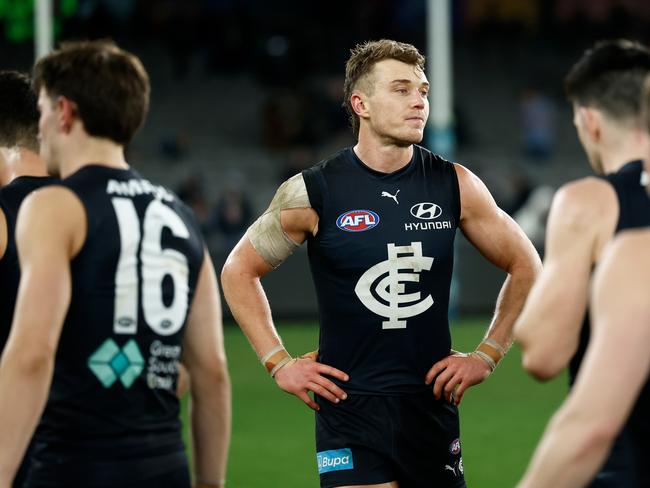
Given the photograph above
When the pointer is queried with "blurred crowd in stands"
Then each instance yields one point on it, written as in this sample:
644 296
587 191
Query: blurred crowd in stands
296 51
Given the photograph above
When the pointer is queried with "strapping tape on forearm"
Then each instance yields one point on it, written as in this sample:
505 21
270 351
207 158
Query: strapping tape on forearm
495 345
266 234
490 362
491 352
281 364
313 355
275 359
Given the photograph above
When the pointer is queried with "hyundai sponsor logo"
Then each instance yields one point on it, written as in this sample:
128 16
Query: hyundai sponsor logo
334 460
445 224
426 211
357 220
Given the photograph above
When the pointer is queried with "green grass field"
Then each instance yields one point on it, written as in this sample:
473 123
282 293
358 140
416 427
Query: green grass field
273 433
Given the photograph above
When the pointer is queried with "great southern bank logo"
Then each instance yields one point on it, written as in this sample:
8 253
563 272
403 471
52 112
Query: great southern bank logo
109 363
357 220
335 460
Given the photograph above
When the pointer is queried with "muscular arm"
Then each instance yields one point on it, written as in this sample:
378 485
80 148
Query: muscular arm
243 290
499 239
205 358
583 215
50 231
614 370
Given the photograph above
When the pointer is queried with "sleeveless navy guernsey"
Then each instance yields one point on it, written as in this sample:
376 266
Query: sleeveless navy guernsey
112 416
634 212
632 447
382 263
11 197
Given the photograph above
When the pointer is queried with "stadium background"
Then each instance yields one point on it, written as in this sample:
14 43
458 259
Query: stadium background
247 92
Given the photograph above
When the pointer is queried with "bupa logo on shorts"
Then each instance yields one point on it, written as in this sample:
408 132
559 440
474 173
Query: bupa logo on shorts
357 220
454 447
335 460
426 211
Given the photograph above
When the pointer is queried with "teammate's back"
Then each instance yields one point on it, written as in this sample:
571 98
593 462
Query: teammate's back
132 283
122 291
604 87
633 213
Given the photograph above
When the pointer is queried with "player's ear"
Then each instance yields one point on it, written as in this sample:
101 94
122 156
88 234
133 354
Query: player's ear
67 111
359 105
591 121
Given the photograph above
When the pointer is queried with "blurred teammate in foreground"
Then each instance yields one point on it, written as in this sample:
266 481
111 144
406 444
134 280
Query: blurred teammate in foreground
605 88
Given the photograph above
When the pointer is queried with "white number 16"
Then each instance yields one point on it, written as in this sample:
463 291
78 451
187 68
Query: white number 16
156 263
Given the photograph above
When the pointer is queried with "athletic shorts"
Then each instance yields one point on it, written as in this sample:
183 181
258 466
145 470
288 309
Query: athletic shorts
412 439
163 471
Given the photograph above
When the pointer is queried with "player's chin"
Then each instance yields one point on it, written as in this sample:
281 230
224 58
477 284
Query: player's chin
412 136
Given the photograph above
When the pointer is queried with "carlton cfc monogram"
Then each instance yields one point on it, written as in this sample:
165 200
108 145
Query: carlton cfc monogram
403 265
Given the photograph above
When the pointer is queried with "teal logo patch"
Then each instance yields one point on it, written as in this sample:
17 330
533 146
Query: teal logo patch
110 363
335 460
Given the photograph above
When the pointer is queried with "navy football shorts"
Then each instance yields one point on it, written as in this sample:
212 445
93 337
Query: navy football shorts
412 439
164 471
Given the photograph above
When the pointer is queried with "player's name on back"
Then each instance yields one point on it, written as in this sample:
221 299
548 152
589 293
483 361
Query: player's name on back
135 187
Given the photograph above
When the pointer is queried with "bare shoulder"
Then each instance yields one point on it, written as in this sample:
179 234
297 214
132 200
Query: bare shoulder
467 180
585 196
298 218
54 211
52 200
475 198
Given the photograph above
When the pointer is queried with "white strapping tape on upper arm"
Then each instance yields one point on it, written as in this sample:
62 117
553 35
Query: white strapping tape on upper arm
266 234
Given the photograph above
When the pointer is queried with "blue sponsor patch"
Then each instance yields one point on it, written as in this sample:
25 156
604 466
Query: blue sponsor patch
357 220
335 460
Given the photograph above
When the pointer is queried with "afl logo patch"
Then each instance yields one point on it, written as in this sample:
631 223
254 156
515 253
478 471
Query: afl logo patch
357 220
426 211
454 447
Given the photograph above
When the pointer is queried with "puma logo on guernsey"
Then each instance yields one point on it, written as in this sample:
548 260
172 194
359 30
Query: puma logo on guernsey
449 468
457 468
394 197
